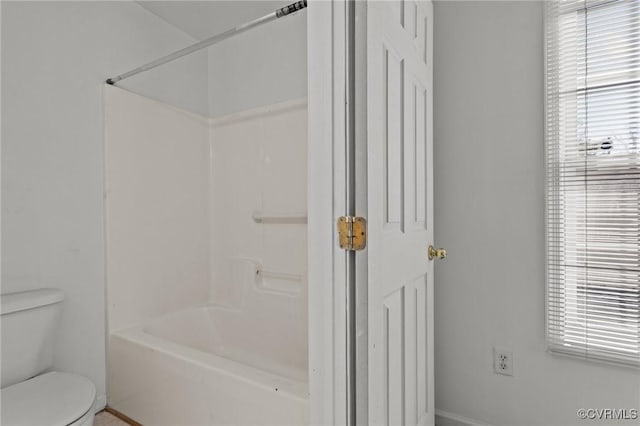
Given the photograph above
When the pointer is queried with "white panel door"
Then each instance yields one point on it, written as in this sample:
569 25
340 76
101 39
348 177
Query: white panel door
400 211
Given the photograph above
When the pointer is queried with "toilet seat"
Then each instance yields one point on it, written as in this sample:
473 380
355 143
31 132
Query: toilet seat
53 399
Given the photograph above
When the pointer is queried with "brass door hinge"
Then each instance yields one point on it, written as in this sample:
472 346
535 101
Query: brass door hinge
352 232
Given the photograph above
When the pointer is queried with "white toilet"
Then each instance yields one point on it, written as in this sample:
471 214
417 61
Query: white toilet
31 394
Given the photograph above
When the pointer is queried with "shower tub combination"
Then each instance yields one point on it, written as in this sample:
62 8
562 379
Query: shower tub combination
174 358
210 365
179 234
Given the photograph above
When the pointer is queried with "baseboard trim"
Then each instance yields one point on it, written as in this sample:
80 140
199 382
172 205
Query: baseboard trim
445 418
121 416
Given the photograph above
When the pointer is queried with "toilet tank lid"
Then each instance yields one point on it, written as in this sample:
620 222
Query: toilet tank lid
21 301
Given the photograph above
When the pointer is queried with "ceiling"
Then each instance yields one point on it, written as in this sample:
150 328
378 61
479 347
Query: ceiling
202 19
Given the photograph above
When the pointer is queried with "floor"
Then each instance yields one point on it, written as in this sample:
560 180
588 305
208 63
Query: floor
107 419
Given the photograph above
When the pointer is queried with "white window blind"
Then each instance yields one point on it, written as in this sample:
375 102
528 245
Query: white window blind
593 179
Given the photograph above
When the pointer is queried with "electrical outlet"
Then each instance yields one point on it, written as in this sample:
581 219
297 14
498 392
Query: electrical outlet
503 361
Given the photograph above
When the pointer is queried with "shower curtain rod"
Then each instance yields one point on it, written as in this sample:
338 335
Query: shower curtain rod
284 11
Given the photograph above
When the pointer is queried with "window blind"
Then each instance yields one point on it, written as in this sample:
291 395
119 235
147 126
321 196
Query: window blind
593 178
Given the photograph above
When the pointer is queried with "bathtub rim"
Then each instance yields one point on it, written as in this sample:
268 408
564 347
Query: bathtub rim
137 334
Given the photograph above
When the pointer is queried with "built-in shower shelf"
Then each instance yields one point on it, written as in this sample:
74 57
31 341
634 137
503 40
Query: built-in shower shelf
280 275
280 218
281 282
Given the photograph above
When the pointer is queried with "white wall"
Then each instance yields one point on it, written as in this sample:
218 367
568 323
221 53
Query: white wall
489 213
261 67
55 57
157 209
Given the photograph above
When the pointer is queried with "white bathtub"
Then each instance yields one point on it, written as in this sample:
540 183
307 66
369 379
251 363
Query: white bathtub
211 366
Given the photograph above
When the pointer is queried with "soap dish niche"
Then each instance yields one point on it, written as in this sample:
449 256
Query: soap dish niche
281 282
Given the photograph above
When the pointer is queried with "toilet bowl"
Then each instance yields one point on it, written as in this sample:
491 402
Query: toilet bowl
31 394
52 399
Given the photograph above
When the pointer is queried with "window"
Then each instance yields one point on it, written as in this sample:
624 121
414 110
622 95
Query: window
593 179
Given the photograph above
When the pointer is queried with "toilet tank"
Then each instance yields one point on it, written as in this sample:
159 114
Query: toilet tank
28 321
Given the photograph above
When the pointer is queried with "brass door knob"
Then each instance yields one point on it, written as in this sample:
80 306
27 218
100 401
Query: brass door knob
434 252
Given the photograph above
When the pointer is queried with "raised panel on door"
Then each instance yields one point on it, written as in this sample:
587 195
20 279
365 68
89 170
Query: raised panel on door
393 137
422 40
393 352
414 20
405 351
410 15
415 156
417 349
420 155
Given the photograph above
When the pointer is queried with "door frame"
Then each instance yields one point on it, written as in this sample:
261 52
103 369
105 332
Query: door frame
326 178
331 36
337 165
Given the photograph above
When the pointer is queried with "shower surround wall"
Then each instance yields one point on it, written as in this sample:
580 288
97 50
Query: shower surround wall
259 202
206 263
157 167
